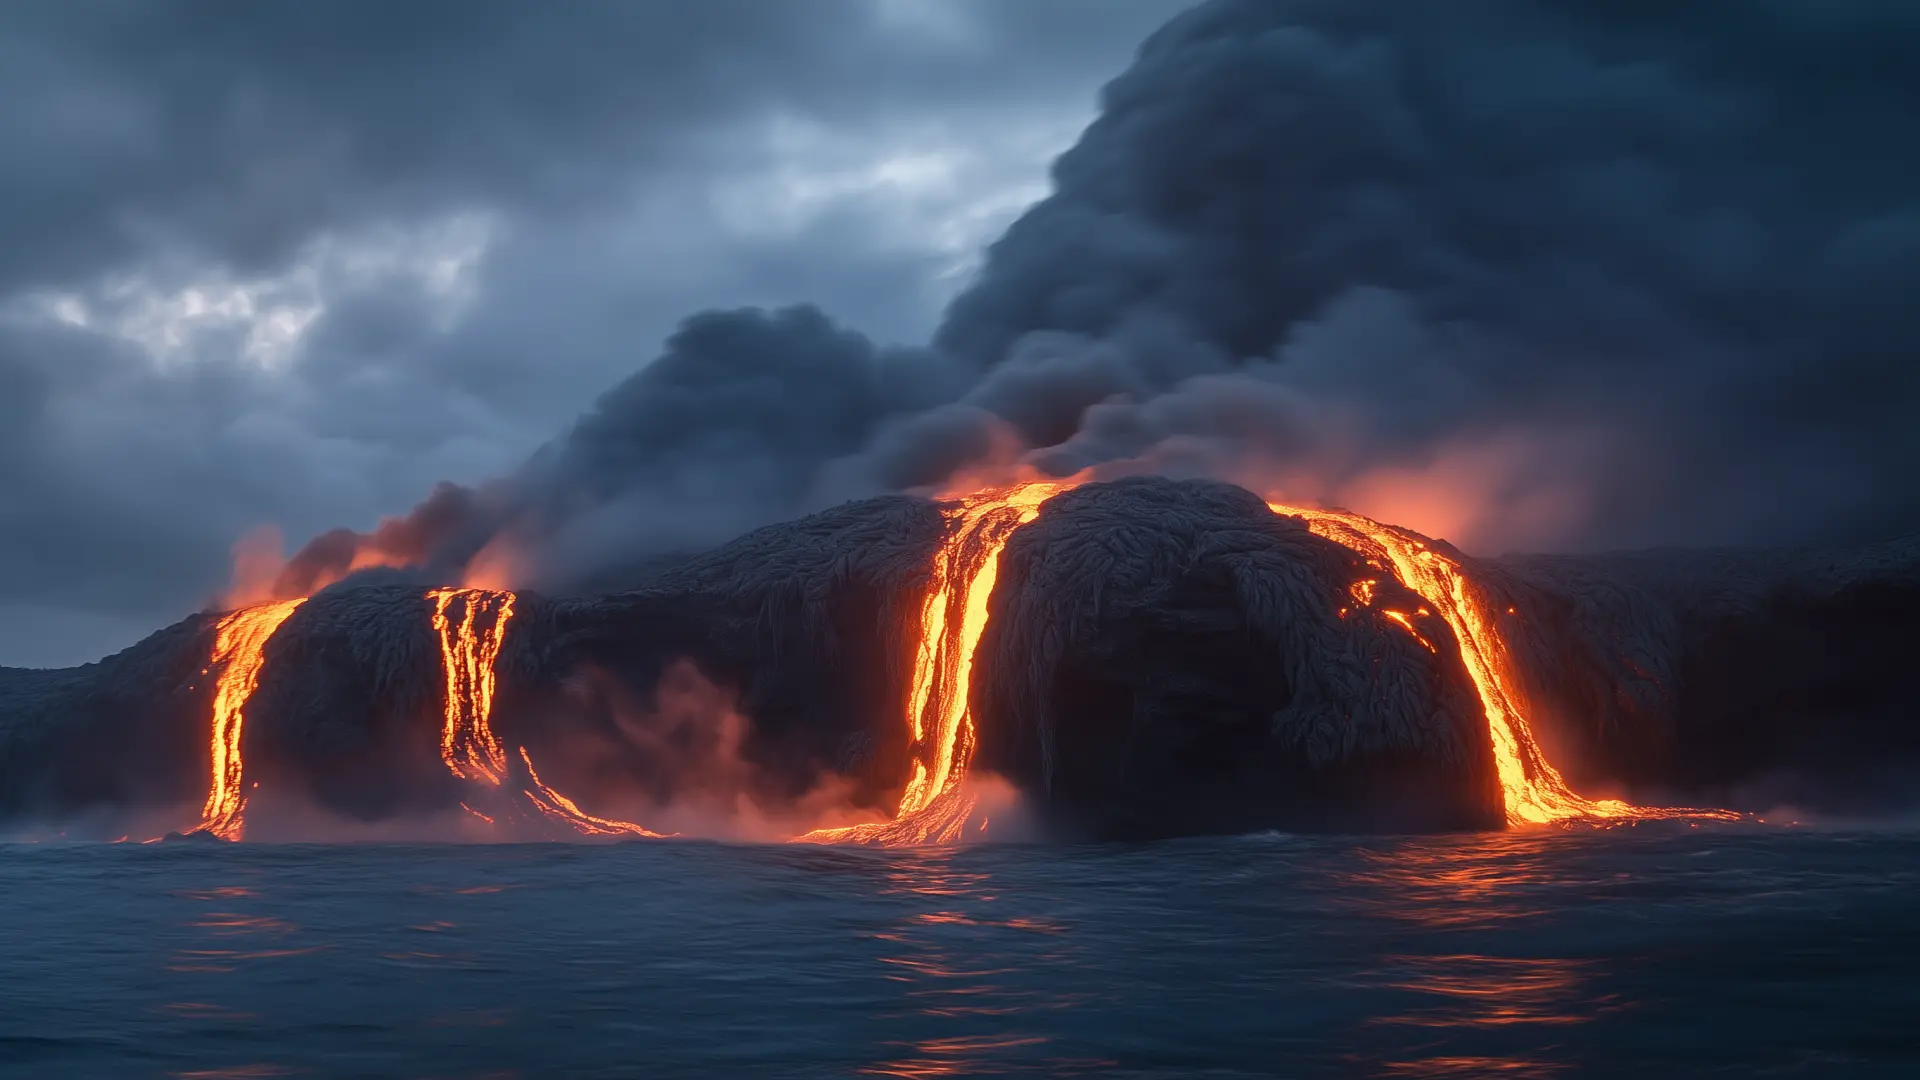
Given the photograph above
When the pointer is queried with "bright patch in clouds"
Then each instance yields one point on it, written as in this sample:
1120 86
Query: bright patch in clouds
213 316
943 191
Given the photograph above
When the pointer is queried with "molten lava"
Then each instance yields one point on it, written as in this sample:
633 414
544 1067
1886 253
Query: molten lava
468 650
239 646
560 808
1533 789
936 803
934 807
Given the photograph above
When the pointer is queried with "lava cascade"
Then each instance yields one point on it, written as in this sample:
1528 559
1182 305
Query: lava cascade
560 808
1533 790
935 804
239 652
469 650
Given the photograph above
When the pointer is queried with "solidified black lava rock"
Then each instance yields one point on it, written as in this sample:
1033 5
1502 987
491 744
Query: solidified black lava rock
1162 658
1167 658
1726 677
129 729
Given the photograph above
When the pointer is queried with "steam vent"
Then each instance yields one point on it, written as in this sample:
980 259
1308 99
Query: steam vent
1138 658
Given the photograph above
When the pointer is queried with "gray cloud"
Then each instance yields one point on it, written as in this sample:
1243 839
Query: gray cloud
1682 232
1594 276
297 266
1587 275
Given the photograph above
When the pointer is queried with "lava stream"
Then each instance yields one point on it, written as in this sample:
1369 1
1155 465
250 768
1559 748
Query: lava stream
469 649
468 652
239 646
560 808
1533 789
935 805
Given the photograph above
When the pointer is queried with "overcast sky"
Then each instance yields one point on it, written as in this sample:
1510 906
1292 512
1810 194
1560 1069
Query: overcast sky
294 264
1524 276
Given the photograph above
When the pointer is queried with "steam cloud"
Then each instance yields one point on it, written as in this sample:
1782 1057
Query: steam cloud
1580 275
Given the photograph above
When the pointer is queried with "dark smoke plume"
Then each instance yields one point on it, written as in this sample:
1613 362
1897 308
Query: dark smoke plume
1578 275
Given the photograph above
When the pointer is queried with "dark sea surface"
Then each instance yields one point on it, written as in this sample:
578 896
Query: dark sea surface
1659 950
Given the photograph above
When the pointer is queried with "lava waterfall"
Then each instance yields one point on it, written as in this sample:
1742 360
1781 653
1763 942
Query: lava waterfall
239 652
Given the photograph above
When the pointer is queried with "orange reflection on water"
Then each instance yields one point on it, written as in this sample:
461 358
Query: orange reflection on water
226 923
221 961
1453 1009
1470 998
1455 883
1467 1065
224 892
1472 991
202 1010
949 955
965 1056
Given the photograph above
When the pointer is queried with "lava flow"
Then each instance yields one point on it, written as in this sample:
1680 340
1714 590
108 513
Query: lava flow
239 646
935 805
469 649
560 808
1533 789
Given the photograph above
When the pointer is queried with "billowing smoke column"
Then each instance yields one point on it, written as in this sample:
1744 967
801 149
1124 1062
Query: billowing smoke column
1595 275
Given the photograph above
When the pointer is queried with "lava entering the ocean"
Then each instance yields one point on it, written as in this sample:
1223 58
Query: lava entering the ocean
936 802
1534 791
560 808
935 805
469 650
239 647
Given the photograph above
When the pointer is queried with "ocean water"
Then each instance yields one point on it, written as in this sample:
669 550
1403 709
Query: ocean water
1658 950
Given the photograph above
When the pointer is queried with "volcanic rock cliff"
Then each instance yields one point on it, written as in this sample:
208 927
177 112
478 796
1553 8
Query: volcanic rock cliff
1159 658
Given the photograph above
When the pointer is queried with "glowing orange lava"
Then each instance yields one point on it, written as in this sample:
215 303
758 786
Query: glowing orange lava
936 804
468 650
934 807
1533 789
560 808
239 652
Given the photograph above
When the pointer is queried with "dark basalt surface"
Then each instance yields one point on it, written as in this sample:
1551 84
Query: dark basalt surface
1732 677
1162 658
1170 658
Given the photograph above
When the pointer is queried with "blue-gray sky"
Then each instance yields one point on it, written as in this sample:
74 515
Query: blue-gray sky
1575 275
296 263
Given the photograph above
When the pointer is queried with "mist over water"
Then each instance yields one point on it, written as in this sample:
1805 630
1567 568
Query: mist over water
1656 950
